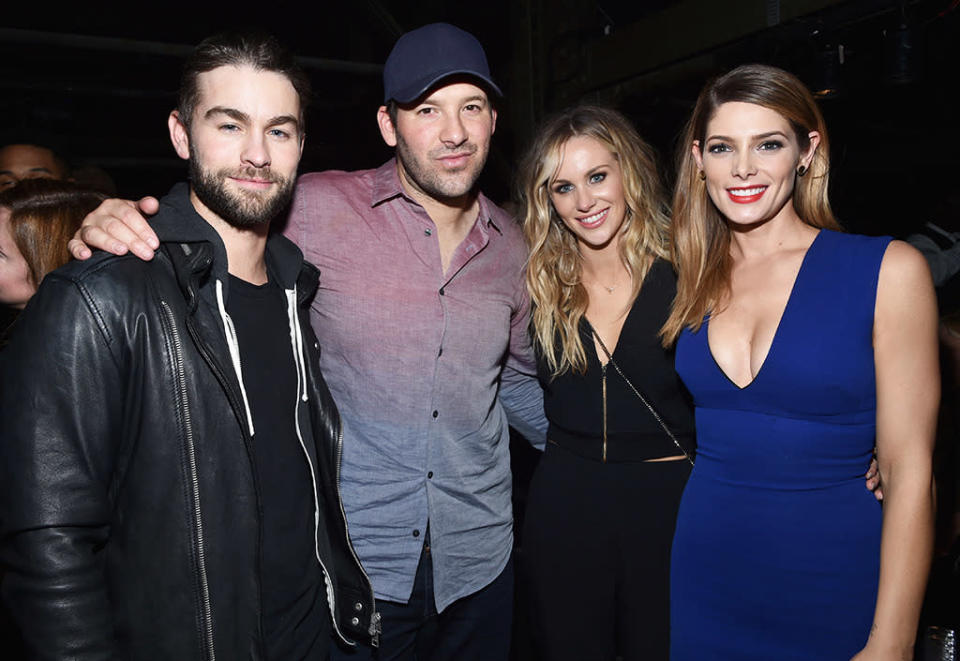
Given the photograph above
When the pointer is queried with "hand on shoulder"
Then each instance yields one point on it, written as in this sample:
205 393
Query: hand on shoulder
117 226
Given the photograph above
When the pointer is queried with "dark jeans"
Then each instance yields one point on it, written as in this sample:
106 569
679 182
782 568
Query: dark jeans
474 628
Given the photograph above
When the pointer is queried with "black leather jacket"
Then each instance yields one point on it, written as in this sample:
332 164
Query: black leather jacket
129 514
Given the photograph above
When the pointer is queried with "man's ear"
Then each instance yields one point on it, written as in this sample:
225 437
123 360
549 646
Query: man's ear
493 116
387 130
179 135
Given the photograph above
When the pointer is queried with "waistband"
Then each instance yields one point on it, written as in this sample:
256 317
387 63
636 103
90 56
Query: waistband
622 448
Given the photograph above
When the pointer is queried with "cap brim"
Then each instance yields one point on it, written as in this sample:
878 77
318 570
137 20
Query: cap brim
412 92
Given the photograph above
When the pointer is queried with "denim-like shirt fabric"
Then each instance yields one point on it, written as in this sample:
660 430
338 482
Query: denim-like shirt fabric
415 360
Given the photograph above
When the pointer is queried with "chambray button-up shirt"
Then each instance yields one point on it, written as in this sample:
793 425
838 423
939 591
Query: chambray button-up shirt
414 357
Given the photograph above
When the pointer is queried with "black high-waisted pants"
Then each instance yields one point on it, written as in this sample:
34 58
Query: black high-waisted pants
596 556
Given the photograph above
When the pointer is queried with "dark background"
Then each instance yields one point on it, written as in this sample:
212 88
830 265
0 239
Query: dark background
97 82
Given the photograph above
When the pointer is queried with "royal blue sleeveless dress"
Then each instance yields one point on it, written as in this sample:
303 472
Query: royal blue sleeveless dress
777 548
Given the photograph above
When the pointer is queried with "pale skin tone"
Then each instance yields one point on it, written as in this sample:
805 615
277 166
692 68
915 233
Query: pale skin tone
16 284
246 119
448 132
748 148
587 193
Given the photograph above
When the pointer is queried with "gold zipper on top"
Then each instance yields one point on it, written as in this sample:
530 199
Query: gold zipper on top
603 386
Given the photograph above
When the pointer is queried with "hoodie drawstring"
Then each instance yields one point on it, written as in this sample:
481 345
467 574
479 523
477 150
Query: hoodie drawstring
296 339
234 346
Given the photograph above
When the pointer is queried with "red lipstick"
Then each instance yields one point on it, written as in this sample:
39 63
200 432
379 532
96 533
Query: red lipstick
746 194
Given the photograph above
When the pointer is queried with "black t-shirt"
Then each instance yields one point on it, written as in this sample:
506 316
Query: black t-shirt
293 597
573 402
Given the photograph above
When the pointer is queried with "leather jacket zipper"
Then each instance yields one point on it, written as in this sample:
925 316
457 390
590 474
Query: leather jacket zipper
331 597
206 614
294 318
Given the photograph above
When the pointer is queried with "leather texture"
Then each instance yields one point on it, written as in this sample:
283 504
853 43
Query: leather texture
130 515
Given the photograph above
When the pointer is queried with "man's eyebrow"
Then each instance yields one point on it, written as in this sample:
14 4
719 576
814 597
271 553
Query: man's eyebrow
240 116
232 113
284 119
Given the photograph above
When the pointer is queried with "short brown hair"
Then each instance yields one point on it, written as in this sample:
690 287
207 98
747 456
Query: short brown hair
44 214
256 49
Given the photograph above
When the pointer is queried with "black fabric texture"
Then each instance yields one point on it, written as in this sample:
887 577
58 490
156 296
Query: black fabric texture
573 402
295 620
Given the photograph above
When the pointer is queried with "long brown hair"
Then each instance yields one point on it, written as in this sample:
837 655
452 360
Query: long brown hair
554 268
700 237
44 214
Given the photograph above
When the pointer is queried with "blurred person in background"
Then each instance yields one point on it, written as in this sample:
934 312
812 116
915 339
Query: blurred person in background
19 162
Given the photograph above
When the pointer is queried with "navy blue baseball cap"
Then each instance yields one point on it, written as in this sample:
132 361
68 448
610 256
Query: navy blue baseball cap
423 57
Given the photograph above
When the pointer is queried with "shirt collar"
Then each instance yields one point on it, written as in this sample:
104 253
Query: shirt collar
386 183
387 186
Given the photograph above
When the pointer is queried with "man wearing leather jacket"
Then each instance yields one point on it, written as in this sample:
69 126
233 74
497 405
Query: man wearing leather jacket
170 455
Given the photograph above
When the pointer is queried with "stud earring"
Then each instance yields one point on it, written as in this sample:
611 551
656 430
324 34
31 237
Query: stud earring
802 170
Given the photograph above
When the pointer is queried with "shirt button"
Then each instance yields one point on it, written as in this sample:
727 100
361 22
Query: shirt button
436 413
416 533
429 475
355 621
427 232
358 606
441 291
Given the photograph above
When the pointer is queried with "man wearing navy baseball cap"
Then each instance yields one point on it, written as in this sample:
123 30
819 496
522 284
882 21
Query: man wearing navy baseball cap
421 317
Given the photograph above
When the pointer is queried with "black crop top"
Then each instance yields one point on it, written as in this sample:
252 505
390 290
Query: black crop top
574 402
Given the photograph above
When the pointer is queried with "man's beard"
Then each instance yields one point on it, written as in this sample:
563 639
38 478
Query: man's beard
434 182
242 209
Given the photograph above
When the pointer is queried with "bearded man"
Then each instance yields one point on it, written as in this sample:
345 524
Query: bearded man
422 314
169 445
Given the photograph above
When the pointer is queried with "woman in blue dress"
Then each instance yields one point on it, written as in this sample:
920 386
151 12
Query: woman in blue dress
804 348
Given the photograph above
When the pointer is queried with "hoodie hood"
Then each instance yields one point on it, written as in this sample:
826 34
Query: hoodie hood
178 222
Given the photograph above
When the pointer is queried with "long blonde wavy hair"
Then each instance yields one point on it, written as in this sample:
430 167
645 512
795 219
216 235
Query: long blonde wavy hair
554 268
700 248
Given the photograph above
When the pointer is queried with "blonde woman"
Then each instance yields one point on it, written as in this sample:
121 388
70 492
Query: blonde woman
803 349
602 504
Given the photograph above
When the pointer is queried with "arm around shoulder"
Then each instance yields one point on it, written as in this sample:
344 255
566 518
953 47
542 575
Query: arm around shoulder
117 226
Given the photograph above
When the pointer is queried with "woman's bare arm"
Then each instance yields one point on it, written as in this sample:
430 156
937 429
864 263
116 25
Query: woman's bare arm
908 396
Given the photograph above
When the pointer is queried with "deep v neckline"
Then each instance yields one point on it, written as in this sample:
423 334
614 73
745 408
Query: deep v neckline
776 332
591 331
